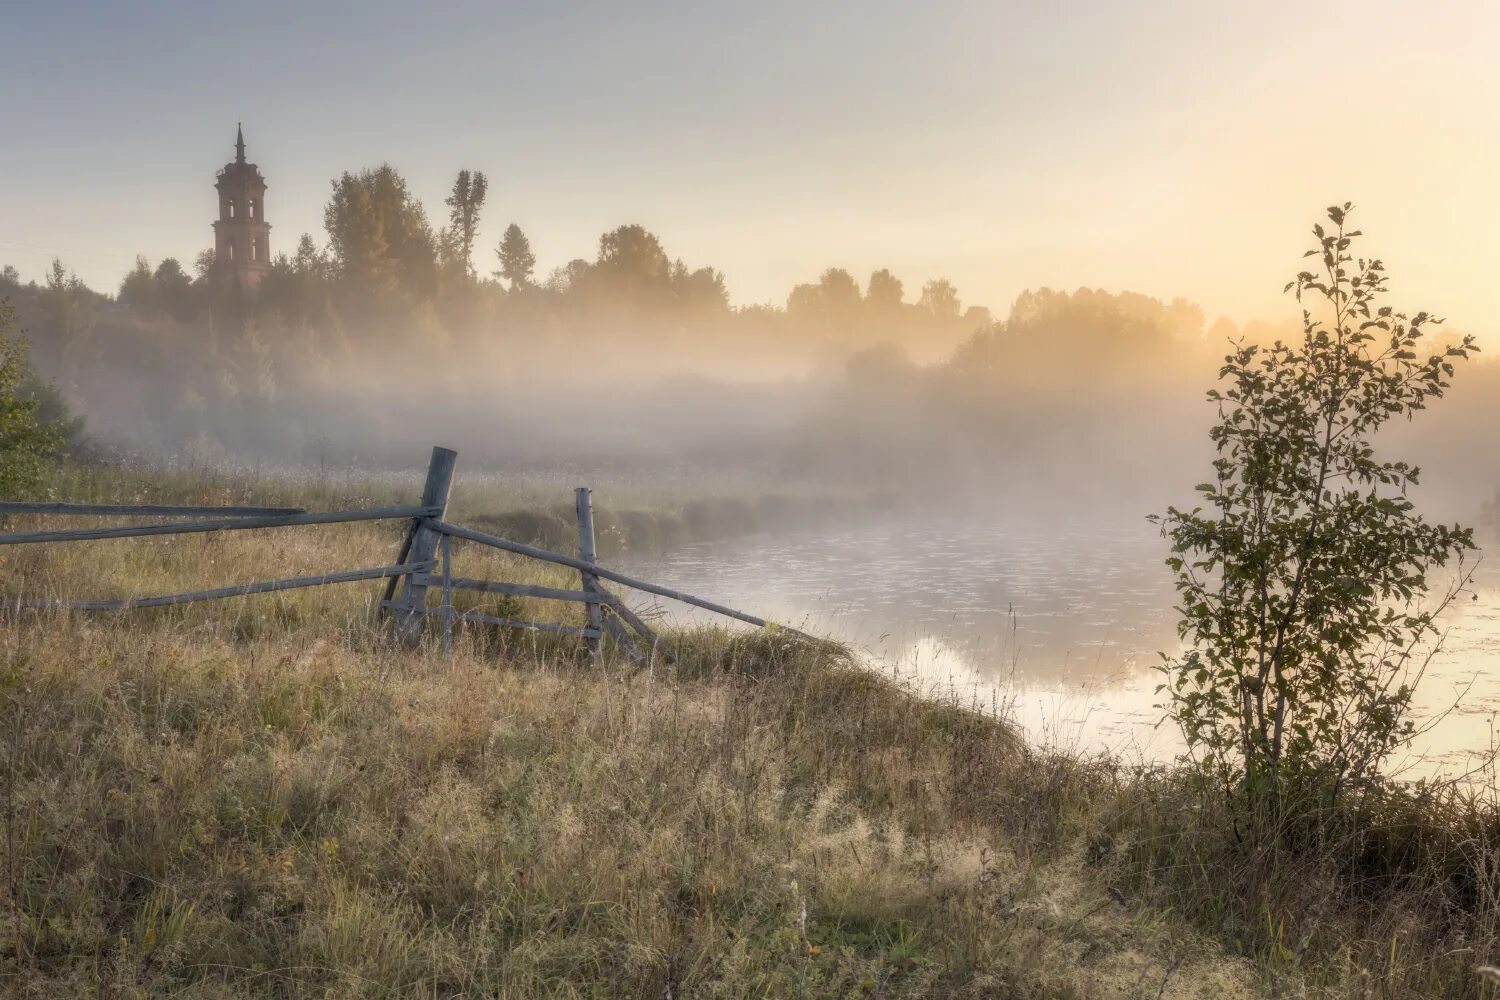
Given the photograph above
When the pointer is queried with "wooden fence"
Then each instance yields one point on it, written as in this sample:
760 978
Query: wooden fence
425 563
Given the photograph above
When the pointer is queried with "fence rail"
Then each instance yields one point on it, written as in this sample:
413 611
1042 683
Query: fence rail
518 589
241 590
476 616
427 547
141 509
221 524
505 544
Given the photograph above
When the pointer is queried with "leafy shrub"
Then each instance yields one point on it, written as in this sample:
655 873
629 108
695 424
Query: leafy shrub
26 441
1303 578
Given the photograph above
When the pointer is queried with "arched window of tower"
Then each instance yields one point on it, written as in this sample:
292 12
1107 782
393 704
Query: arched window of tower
254 242
231 208
229 246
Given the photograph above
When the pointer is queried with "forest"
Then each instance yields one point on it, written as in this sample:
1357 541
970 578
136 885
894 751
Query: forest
394 332
362 346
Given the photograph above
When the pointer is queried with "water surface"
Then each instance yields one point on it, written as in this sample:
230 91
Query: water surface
1061 627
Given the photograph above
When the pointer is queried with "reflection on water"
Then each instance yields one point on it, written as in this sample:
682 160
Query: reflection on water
1061 628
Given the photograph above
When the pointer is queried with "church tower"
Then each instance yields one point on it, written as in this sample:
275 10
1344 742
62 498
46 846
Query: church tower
242 237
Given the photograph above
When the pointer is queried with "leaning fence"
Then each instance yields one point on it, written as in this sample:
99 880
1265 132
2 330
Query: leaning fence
423 566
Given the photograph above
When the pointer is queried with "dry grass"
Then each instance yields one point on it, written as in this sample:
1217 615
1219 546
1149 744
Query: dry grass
284 815
264 797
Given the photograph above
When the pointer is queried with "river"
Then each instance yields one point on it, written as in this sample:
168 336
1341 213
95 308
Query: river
1060 629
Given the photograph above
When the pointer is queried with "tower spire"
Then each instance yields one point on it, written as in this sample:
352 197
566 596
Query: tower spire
242 236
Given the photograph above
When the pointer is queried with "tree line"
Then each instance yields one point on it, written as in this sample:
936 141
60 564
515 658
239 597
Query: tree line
383 257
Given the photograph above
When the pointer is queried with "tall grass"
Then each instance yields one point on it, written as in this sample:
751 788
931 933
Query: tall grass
266 797
630 514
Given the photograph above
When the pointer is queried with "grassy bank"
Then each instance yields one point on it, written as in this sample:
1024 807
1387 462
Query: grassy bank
264 797
629 516
209 818
275 806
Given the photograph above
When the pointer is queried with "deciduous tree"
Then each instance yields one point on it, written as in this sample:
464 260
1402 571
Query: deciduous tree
26 443
834 303
378 234
940 299
883 292
137 289
1303 573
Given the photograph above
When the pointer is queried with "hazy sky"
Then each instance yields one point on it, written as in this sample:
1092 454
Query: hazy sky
1170 148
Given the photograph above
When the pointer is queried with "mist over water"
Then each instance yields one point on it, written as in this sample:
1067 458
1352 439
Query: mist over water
1058 628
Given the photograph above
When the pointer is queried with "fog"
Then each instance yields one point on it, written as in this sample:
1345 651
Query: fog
1079 404
957 492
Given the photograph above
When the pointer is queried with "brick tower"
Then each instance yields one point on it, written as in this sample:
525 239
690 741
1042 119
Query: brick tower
242 237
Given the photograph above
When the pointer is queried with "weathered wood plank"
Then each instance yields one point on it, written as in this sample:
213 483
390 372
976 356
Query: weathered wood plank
623 638
401 557
474 616
146 510
240 590
447 593
424 540
221 524
635 621
584 504
495 541
520 590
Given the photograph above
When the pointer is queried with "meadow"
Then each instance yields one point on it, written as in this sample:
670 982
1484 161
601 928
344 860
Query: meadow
267 796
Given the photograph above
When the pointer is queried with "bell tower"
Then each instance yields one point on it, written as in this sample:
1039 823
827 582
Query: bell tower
242 237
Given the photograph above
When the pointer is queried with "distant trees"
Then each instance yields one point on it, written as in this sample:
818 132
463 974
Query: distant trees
884 291
166 291
465 202
700 292
378 234
940 299
839 293
1108 338
385 271
516 259
631 272
834 302
298 285
138 288
380 240
26 442
309 261
65 302
568 280
631 259
174 289
203 264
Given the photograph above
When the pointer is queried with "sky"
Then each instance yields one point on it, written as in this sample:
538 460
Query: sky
1176 149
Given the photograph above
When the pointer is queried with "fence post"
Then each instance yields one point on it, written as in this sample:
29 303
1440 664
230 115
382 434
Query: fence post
583 498
448 594
424 542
